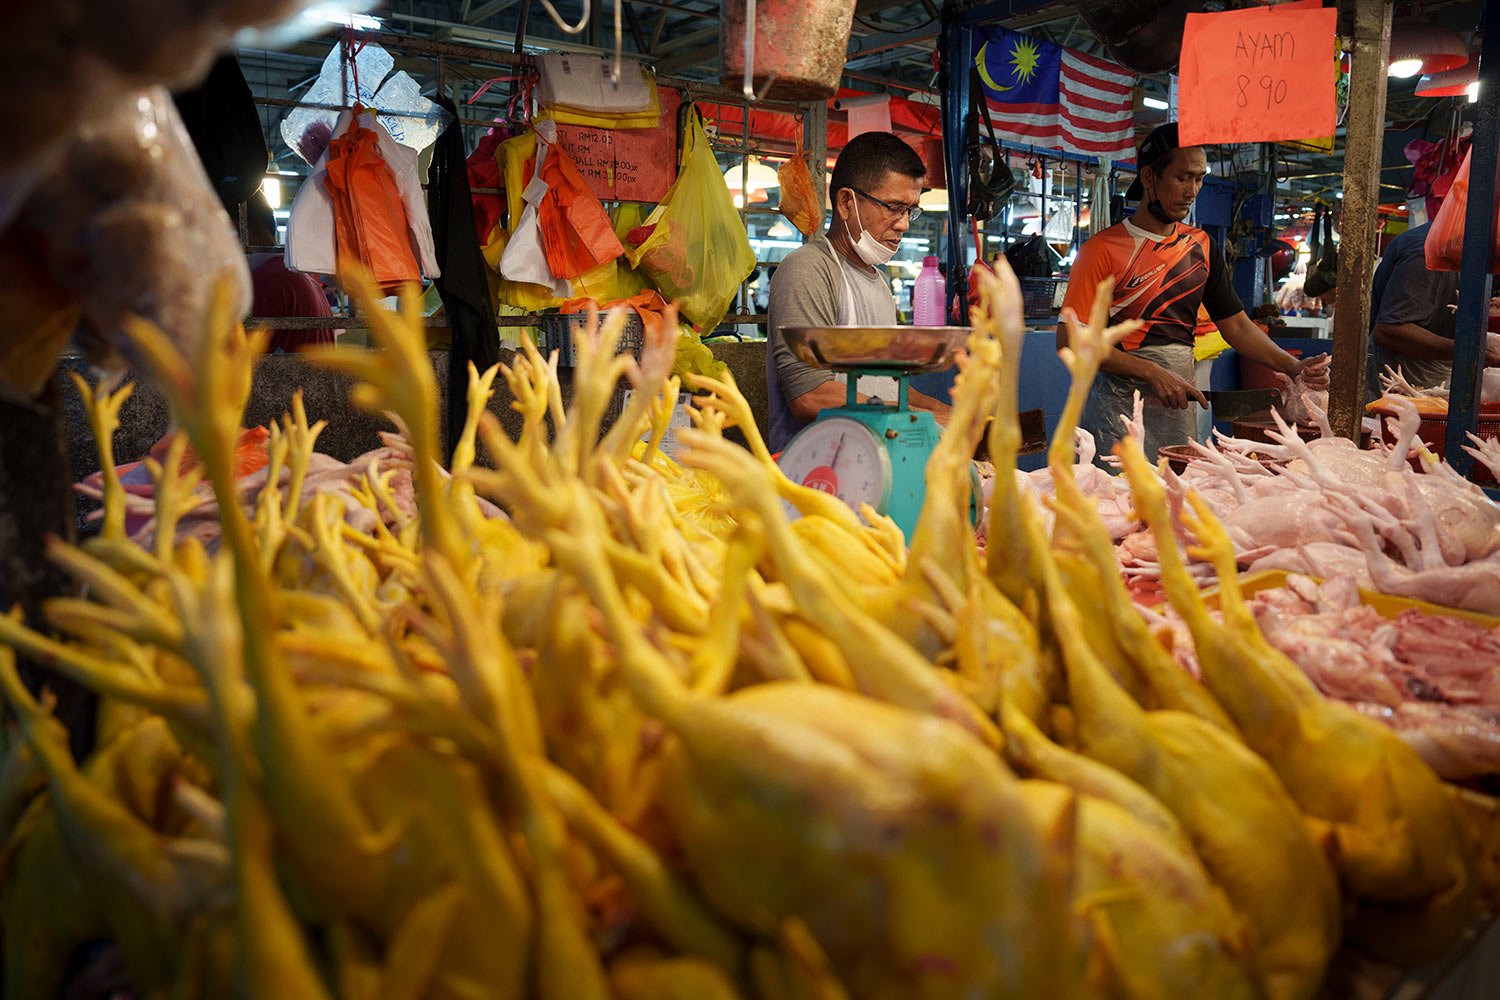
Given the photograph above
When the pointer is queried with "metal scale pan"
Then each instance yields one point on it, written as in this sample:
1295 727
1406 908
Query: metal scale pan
888 349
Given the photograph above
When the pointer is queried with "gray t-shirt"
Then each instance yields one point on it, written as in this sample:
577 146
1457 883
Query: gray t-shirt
816 286
1404 291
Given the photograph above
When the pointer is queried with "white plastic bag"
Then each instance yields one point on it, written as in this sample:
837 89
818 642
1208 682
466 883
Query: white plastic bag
583 82
310 239
524 258
417 124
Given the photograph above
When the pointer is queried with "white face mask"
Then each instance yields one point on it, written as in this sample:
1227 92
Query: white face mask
870 250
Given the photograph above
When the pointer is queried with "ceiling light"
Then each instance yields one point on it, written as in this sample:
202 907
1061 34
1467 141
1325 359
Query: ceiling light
271 188
780 230
1155 102
935 200
759 177
1453 82
1434 48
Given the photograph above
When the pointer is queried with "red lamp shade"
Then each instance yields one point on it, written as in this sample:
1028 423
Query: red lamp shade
1453 82
1438 48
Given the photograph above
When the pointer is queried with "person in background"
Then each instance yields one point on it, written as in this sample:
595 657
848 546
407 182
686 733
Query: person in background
839 279
278 291
1412 313
1163 270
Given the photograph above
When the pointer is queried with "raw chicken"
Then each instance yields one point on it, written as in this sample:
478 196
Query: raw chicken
1435 679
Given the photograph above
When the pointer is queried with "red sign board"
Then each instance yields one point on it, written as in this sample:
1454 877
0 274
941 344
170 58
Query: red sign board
637 164
1260 75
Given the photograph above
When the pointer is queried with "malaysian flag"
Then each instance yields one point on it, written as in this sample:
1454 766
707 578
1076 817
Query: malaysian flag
1046 95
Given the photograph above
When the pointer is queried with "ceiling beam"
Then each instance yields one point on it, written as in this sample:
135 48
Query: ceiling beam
691 38
692 57
866 51
485 11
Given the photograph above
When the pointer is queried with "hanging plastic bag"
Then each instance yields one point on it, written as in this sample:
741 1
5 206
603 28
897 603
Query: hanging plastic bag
514 156
369 212
615 280
799 198
1324 273
525 258
1445 240
697 252
411 119
576 232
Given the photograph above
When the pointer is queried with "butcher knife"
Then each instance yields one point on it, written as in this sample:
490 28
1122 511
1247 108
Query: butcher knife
1237 404
1033 436
1033 431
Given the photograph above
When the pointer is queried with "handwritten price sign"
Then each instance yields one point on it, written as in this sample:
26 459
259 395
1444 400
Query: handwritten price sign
1257 75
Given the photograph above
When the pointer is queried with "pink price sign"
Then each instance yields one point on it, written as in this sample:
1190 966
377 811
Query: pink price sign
637 164
1258 75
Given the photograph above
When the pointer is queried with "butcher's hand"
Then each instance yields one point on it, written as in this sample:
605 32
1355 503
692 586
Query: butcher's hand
1173 391
1314 371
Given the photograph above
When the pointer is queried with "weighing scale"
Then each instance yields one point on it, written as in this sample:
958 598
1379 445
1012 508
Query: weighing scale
872 453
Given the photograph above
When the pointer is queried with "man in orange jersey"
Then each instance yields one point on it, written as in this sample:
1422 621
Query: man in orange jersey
1163 270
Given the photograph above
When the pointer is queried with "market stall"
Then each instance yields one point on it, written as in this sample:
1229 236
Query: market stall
487 648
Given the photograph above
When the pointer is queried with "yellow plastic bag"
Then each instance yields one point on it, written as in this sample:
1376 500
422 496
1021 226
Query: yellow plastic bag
615 279
697 252
647 117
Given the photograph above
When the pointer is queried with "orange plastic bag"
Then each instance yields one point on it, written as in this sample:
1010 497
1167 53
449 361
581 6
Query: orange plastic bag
799 199
369 213
1445 241
577 235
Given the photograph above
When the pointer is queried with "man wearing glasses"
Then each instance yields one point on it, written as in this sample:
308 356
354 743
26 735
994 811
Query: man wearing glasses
838 279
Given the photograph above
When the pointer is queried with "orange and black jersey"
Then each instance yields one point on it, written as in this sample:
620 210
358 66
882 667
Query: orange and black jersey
1160 280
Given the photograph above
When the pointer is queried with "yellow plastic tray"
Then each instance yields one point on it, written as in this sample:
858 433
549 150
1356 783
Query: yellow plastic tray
1386 605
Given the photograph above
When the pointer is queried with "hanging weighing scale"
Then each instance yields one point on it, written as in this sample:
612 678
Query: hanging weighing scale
876 452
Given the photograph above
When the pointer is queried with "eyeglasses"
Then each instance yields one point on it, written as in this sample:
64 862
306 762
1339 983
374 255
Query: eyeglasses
912 212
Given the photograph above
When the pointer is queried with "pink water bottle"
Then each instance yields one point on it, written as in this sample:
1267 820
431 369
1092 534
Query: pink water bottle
928 296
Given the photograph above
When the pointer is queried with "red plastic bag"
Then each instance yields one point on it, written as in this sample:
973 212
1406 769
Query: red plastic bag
1445 241
577 234
369 214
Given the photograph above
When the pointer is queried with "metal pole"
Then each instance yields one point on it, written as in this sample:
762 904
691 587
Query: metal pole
745 109
954 85
815 140
1362 149
1479 241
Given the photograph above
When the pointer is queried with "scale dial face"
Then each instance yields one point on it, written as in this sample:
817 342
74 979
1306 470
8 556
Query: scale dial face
843 457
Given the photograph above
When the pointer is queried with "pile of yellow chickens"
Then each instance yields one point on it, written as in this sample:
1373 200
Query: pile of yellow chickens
650 738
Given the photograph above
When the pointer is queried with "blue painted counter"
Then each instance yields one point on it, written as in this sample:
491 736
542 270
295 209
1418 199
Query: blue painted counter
1044 380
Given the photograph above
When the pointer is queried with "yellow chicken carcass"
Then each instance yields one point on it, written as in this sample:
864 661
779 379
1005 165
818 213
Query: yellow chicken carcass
643 976
449 835
941 554
1152 922
1395 834
148 885
896 837
1242 823
882 665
